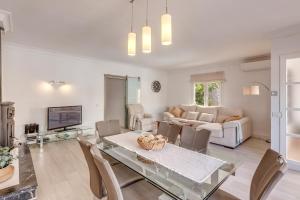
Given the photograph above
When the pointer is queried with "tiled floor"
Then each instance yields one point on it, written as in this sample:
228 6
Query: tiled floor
63 174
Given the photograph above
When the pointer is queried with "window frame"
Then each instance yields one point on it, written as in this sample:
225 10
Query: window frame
206 93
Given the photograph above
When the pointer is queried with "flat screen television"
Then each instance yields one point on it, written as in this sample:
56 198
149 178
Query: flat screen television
64 116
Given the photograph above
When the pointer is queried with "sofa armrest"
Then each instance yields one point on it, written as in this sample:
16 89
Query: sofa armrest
147 115
235 123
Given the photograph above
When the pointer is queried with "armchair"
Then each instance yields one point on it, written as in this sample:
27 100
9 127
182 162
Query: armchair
138 119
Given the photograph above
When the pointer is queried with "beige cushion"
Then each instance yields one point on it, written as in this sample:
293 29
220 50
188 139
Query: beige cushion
187 108
210 110
232 118
222 118
206 117
177 112
192 115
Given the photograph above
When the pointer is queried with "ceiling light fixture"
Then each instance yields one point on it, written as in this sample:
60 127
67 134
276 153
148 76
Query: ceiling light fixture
166 31
131 36
146 33
166 27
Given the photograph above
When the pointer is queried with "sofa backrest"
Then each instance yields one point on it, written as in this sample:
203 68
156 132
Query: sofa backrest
215 110
231 111
187 108
209 109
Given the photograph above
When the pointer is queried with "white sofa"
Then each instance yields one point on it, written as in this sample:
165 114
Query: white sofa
229 134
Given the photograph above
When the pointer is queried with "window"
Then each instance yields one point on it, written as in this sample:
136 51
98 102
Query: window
208 93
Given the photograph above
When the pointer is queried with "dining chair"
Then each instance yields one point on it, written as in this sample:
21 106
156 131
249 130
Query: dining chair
141 190
163 128
171 131
268 173
125 176
194 140
108 128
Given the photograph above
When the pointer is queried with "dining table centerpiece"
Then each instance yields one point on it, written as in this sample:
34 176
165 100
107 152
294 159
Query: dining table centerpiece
6 167
152 142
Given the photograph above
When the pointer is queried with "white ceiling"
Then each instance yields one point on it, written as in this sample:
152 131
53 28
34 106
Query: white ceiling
204 31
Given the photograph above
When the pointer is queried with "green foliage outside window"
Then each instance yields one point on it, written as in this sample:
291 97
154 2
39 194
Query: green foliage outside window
213 96
199 93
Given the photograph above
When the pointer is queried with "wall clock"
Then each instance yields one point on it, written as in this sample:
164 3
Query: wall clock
156 86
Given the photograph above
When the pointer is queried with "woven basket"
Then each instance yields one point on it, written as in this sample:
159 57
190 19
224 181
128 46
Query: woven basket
151 142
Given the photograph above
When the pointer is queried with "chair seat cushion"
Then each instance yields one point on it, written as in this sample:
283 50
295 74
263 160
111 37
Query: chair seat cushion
125 175
141 190
222 195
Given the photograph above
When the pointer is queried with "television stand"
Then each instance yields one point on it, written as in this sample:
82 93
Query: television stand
64 130
63 134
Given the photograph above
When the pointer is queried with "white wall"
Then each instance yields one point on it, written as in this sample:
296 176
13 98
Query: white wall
26 73
180 90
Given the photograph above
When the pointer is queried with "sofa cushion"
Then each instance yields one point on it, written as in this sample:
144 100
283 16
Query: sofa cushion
192 115
196 122
210 110
187 108
176 111
222 118
232 118
206 117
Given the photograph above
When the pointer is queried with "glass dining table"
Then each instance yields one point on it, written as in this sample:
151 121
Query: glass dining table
174 185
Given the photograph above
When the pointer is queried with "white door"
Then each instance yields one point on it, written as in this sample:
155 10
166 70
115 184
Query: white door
290 109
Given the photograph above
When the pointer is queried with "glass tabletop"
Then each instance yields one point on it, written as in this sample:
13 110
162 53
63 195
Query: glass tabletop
174 184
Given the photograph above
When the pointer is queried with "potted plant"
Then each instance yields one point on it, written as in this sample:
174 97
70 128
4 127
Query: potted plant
6 169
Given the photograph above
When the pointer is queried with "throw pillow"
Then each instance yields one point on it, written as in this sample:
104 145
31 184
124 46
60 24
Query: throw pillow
192 115
222 118
206 117
232 118
176 112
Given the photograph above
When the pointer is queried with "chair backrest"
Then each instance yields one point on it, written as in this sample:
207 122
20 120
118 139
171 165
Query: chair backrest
173 132
163 128
95 177
268 173
108 128
109 178
187 137
201 140
194 140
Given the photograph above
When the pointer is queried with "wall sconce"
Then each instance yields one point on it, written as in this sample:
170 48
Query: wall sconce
57 83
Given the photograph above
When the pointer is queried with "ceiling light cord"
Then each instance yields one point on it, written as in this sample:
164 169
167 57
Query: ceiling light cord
131 23
166 6
147 8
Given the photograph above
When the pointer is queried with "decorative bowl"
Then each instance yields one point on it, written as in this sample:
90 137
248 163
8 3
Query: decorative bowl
151 142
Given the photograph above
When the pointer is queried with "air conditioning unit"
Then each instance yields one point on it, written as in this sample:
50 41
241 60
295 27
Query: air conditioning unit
6 21
256 66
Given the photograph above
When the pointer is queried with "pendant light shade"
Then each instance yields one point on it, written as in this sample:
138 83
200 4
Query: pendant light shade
146 39
131 44
166 29
131 36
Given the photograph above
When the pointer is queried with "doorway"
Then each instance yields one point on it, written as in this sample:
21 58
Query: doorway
115 98
119 92
290 109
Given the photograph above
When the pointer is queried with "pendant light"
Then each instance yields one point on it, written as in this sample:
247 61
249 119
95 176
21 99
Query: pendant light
131 36
146 35
166 27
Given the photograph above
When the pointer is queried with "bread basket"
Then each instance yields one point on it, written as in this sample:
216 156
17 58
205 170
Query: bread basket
151 142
